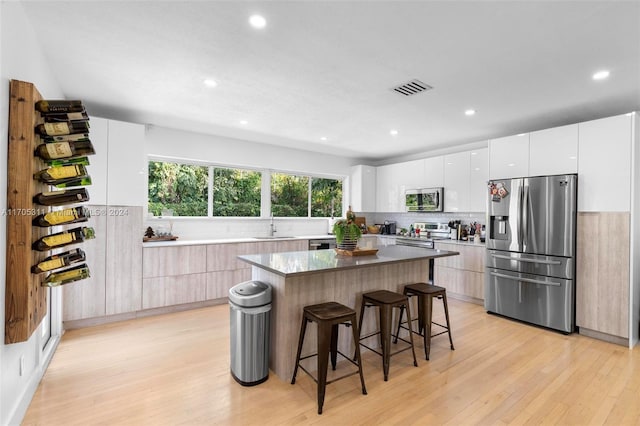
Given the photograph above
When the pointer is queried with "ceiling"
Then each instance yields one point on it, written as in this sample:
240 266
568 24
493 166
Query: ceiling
326 69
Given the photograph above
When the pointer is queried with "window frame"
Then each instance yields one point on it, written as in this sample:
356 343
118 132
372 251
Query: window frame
265 198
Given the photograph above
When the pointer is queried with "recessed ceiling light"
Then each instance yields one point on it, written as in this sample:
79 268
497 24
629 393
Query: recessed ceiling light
209 82
474 153
323 138
601 75
470 112
257 21
511 164
393 132
477 169
244 122
522 134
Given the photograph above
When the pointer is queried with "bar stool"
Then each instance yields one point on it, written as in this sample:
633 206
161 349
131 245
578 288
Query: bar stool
385 301
426 293
328 316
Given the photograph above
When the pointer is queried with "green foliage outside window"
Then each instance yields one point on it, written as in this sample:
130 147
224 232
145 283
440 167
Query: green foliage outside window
183 188
326 197
289 195
236 192
179 187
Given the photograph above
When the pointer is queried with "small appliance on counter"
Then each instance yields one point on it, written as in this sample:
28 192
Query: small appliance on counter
389 228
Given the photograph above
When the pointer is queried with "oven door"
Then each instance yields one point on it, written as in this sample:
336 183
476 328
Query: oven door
322 244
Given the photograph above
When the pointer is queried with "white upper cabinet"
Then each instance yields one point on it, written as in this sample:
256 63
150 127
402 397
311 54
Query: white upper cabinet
456 181
119 169
127 182
604 168
433 173
478 177
393 180
509 157
363 188
553 151
98 170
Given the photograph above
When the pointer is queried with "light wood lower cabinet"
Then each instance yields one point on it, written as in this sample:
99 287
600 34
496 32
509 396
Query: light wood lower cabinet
86 298
176 290
187 274
602 273
114 258
461 275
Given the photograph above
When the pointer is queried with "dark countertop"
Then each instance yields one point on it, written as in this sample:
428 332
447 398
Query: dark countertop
318 261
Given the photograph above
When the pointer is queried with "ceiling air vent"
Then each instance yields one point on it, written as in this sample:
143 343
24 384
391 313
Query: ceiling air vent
411 88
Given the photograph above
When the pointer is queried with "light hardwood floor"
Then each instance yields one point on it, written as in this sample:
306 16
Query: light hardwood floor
174 369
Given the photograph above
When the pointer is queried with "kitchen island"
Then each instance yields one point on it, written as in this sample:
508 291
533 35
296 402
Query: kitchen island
305 278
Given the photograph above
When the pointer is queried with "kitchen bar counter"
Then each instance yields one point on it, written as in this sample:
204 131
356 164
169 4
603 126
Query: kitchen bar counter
305 278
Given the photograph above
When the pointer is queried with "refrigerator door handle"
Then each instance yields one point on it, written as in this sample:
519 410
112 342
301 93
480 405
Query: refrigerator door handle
525 217
520 195
544 262
527 280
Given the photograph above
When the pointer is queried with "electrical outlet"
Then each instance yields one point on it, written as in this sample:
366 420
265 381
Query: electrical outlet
21 365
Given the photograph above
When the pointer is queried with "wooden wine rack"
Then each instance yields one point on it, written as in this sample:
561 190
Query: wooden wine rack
26 299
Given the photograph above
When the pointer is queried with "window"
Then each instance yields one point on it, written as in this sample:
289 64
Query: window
180 189
209 191
236 192
326 197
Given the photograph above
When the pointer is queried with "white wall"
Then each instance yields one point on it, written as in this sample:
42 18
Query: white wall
21 59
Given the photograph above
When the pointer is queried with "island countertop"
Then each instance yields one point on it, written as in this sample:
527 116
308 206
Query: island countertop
316 261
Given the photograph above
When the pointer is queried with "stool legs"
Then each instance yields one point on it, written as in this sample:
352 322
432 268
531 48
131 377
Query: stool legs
427 307
303 330
385 338
356 336
324 343
334 346
446 314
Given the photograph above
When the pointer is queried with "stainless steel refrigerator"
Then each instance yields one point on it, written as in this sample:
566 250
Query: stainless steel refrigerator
531 245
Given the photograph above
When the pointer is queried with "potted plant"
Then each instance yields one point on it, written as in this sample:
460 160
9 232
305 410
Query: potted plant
347 232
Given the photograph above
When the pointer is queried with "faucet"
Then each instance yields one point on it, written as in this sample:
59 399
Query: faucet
272 228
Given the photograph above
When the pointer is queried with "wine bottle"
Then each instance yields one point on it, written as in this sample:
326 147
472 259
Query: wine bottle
66 138
68 162
53 106
62 128
59 260
64 238
81 181
60 198
62 217
65 116
57 175
56 150
70 275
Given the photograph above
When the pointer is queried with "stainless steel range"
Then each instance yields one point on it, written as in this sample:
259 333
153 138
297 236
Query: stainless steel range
531 243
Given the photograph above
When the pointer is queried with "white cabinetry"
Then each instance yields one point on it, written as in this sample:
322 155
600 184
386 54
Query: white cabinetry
393 180
363 188
433 172
604 168
465 181
509 157
456 181
118 169
478 177
553 151
127 174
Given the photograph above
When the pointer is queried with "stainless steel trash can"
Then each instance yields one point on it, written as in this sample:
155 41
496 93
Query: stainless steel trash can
250 310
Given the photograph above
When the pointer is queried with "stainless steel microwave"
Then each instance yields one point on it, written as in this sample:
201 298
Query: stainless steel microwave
425 200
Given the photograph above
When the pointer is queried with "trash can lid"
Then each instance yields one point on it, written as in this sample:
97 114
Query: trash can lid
250 294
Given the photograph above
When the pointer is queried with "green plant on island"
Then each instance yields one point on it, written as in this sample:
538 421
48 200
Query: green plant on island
347 228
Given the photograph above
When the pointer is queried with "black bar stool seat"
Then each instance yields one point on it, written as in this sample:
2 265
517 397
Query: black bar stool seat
386 300
426 293
328 316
